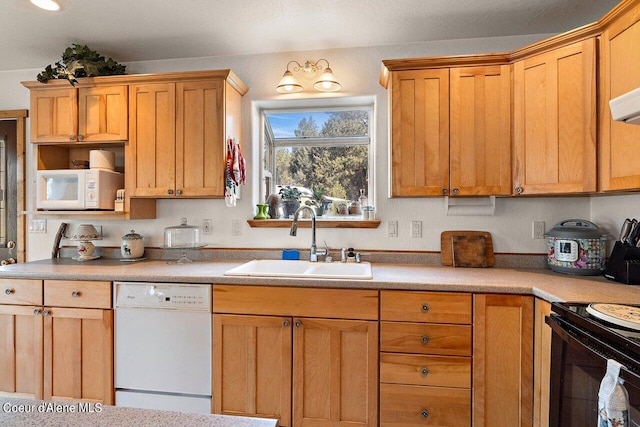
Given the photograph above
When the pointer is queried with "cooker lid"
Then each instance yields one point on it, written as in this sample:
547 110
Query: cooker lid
575 228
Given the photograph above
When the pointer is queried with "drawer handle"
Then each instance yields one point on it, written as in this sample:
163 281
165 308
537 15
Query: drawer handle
424 413
424 372
75 294
45 312
298 323
9 291
425 339
286 323
36 312
425 308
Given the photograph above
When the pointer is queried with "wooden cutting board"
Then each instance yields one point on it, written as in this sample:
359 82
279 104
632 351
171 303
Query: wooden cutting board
463 248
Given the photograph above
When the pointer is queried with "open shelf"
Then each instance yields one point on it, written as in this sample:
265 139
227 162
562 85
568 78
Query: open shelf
320 223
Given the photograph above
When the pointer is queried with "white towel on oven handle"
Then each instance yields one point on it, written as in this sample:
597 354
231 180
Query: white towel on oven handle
613 399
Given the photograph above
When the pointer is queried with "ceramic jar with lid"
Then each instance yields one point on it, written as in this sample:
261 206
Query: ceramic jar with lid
132 245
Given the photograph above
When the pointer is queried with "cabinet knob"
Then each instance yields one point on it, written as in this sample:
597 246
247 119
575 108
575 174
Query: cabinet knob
178 192
169 191
80 137
425 308
8 261
455 191
424 413
75 294
424 372
45 312
519 190
424 339
11 244
9 291
36 312
298 323
72 137
444 191
286 323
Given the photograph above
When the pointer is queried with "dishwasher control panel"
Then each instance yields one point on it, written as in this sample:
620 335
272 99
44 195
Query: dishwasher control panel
177 296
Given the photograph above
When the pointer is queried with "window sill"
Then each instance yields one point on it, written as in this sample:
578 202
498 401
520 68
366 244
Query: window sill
320 223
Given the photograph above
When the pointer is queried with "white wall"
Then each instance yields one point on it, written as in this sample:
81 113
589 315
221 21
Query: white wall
358 70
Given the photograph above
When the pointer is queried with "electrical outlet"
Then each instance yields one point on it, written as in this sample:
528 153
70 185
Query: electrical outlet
537 230
235 227
416 229
207 226
392 229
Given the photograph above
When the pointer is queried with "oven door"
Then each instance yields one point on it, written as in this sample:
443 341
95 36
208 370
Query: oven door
578 364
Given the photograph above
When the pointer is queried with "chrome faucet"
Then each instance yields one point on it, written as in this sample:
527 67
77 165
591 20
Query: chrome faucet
313 255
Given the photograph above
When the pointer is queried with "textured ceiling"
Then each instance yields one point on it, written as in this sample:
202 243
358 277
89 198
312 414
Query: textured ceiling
137 30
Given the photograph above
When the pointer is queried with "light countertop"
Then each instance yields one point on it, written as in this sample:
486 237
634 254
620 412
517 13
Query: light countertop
24 412
542 283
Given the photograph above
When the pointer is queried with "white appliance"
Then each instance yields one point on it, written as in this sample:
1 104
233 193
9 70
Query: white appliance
77 189
626 107
163 346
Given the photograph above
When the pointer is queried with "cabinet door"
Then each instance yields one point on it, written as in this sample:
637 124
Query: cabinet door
335 365
102 113
78 354
620 62
420 133
555 121
252 366
200 147
54 115
480 135
21 350
502 361
541 364
150 157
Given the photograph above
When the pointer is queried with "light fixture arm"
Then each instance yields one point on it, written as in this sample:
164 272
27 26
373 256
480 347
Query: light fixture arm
325 83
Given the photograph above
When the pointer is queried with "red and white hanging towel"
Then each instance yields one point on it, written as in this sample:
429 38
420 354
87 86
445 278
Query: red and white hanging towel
235 172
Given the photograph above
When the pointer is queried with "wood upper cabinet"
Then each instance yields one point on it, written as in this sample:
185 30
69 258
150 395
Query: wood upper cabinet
150 169
178 131
84 114
480 130
619 65
502 360
305 371
420 132
555 121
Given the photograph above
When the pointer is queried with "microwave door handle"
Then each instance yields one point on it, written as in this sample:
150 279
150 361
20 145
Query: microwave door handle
562 333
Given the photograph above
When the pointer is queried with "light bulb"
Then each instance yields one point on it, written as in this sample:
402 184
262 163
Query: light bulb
51 5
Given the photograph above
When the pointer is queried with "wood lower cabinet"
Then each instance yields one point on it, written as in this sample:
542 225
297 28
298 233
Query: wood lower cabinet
425 358
619 65
541 364
502 360
309 370
56 352
554 118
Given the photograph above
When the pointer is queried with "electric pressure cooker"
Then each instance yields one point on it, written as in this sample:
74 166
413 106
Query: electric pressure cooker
576 246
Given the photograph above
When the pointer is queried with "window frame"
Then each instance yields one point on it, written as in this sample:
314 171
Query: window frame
270 142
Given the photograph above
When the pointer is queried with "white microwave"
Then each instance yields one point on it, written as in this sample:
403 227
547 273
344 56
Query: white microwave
77 189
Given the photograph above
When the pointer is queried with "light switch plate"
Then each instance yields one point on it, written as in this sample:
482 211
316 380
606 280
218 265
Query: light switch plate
392 229
235 227
207 226
416 229
38 226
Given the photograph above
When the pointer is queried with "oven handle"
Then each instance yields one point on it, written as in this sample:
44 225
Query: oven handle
565 335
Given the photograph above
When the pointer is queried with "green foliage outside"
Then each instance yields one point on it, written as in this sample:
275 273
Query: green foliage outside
341 170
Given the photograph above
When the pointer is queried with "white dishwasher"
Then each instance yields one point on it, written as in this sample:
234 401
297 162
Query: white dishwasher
163 346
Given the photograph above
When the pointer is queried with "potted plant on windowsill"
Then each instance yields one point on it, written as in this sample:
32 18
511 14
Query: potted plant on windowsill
317 197
290 200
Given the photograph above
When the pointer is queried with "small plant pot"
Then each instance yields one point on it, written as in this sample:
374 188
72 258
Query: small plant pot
290 207
319 210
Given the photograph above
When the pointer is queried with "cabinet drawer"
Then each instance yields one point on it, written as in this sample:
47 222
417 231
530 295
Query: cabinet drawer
425 338
434 307
409 405
443 371
20 292
290 301
77 293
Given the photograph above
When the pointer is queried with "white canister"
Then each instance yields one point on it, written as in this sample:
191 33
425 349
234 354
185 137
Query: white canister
132 245
102 159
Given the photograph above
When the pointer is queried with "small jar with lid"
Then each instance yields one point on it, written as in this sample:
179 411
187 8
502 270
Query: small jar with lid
132 246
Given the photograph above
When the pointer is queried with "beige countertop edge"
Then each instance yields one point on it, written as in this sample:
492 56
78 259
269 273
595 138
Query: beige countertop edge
541 283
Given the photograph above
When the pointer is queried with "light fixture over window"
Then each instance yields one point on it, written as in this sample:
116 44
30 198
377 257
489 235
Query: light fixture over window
51 5
326 82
